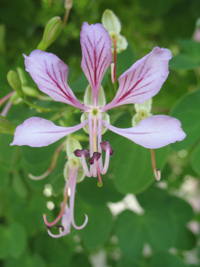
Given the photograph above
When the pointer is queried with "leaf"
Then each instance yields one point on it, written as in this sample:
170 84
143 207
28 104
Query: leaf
195 159
189 58
18 240
183 62
98 195
165 259
131 165
188 112
98 228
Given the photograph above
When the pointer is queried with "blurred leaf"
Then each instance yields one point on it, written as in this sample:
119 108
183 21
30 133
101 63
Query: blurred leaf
98 228
98 195
4 244
18 240
195 159
131 234
188 112
189 58
157 7
55 252
183 62
165 259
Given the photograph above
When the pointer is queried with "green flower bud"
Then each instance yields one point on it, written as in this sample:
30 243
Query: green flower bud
72 145
88 101
73 163
121 44
30 91
51 32
22 76
147 105
111 22
15 83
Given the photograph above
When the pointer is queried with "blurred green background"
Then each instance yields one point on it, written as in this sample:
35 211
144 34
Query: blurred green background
133 220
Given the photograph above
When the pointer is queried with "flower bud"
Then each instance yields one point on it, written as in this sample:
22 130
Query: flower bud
51 33
72 145
30 91
15 83
111 22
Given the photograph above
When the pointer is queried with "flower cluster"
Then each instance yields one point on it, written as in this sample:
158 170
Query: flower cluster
139 83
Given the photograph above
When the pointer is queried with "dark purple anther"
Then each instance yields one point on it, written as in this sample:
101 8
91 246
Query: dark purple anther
105 145
95 156
80 152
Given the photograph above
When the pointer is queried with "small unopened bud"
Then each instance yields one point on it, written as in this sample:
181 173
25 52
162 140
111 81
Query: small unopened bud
105 145
51 32
15 83
96 156
111 22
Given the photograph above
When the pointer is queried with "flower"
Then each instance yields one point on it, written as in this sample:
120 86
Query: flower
139 83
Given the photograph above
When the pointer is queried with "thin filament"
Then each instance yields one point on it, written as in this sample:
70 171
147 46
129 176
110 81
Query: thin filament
71 176
157 173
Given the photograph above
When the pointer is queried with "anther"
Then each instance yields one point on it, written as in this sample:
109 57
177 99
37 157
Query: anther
105 145
95 156
59 226
80 152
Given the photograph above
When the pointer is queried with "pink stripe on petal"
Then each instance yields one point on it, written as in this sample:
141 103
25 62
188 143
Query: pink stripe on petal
96 54
50 74
143 80
38 132
153 132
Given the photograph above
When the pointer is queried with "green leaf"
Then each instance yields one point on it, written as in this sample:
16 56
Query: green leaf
98 228
188 112
183 62
165 259
18 239
130 233
195 159
98 195
4 244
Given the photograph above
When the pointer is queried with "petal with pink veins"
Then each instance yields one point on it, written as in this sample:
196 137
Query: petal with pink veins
153 132
143 80
96 54
50 74
38 132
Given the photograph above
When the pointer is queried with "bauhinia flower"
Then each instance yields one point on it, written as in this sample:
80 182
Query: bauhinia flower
139 83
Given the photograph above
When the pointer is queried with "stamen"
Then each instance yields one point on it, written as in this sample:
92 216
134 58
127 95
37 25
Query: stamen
68 6
157 173
71 175
99 183
82 152
96 156
105 145
51 167
112 72
85 167
6 98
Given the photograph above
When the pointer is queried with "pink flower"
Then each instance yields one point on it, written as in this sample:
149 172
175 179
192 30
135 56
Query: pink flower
139 83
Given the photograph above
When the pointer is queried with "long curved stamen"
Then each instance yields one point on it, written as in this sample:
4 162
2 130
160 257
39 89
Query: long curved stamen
6 109
51 167
73 189
157 173
71 176
85 167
